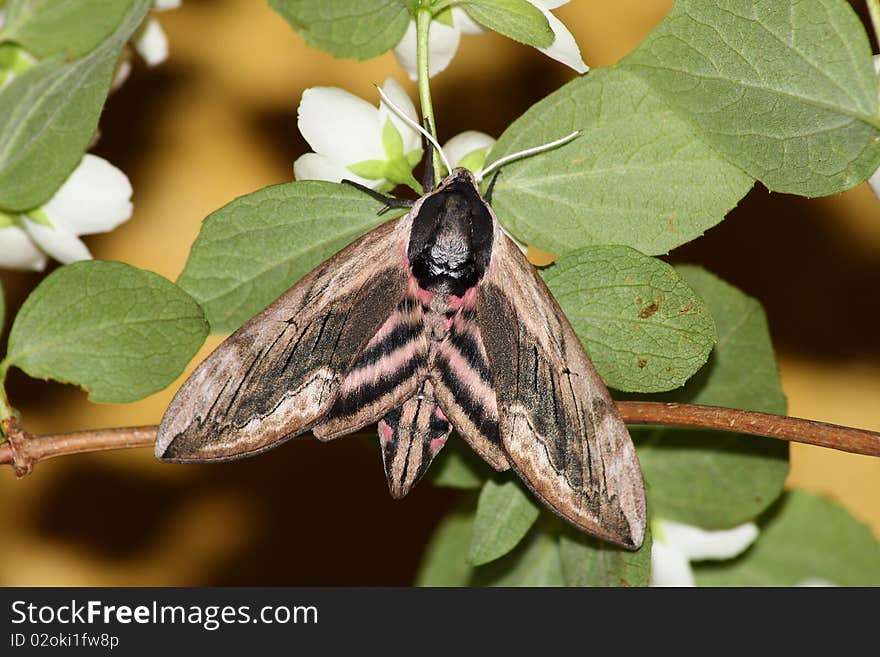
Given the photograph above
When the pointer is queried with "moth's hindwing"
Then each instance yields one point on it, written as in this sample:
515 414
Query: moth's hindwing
558 424
410 437
278 374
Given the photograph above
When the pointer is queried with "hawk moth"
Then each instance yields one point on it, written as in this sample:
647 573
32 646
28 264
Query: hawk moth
430 322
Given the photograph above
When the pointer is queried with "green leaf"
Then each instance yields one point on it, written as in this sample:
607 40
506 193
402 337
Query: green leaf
587 561
505 512
48 116
347 28
457 466
642 325
785 89
120 332
445 560
535 562
61 27
638 175
716 479
251 250
803 537
515 19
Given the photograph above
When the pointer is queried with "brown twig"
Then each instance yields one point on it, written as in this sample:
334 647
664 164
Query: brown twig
22 450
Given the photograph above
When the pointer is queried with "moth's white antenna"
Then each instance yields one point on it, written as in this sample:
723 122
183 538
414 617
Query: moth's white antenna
415 126
529 151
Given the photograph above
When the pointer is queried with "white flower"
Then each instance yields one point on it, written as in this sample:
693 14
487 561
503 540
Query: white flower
95 198
443 37
469 150
150 40
151 43
355 140
564 48
676 545
447 28
874 180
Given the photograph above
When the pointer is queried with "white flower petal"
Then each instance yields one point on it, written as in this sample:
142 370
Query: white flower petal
698 544
564 48
62 245
669 566
340 125
151 43
547 5
95 198
412 140
17 250
466 25
405 52
874 182
313 166
123 70
464 144
162 5
442 44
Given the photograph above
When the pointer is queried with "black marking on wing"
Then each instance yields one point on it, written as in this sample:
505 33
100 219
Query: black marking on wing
389 370
476 412
320 349
351 403
465 344
400 336
524 376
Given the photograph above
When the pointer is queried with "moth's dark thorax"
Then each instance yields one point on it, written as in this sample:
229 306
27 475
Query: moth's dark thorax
451 240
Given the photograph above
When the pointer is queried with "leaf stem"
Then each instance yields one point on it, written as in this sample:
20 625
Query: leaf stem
23 450
424 16
5 409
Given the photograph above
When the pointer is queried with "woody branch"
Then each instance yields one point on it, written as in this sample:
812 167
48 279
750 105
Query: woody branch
23 450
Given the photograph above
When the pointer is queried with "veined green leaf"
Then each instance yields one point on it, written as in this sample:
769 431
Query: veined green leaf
49 114
505 513
642 325
70 28
251 250
783 89
638 174
516 19
347 28
715 479
120 332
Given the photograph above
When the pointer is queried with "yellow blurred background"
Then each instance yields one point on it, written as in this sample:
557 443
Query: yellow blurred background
218 120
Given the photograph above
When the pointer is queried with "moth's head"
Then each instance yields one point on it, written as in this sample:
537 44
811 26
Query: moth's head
450 242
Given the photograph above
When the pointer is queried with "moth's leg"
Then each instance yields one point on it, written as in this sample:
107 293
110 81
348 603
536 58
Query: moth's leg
488 194
389 201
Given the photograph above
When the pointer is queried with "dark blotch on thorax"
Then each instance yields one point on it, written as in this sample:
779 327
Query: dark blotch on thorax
450 243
